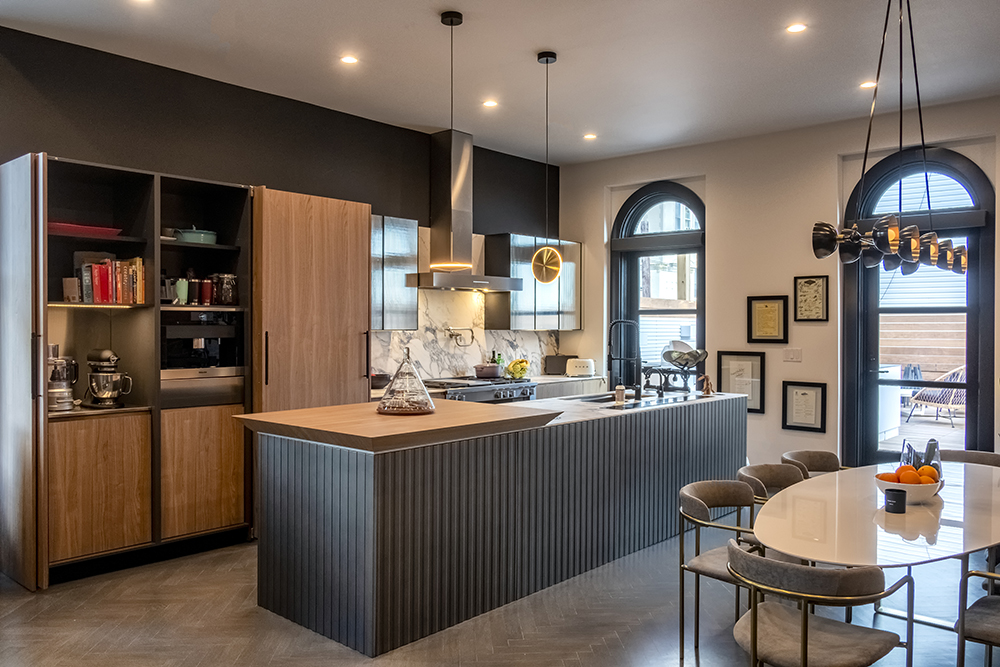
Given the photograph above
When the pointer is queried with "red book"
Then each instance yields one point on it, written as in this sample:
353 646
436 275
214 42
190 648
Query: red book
107 275
97 277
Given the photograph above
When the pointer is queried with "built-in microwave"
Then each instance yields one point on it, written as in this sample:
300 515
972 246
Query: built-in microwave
201 357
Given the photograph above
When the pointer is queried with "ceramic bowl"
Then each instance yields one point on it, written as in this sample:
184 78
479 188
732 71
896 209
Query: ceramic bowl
915 493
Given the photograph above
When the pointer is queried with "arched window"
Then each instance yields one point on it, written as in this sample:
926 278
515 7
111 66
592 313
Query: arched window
658 273
918 347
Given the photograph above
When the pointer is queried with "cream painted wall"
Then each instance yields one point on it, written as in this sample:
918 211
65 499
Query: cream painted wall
762 195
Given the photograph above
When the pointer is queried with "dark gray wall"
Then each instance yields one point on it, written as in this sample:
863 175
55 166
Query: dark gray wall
84 104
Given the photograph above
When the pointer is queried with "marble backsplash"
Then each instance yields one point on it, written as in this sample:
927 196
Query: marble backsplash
436 354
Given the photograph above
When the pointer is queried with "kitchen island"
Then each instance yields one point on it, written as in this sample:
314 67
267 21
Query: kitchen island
378 530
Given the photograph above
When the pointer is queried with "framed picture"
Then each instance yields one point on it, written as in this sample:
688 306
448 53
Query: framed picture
803 406
811 298
743 373
767 319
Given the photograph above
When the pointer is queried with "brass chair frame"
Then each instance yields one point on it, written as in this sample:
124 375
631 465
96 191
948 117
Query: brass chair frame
739 529
963 597
807 601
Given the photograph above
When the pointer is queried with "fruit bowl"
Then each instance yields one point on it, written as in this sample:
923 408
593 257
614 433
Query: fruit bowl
915 493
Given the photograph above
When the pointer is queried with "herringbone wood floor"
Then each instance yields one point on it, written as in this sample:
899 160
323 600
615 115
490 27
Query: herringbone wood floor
200 611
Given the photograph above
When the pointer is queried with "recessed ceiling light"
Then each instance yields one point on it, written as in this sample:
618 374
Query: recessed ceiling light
590 136
796 27
490 103
350 60
868 84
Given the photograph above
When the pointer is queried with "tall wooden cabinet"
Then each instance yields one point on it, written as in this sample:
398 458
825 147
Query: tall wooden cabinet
311 296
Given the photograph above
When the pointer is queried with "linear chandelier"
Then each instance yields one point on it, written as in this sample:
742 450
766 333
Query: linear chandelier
887 244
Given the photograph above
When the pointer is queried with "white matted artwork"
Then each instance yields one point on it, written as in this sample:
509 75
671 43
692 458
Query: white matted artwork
743 373
803 406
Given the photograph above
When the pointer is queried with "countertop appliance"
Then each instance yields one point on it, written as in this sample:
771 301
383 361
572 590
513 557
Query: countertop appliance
555 364
105 383
485 390
63 372
580 368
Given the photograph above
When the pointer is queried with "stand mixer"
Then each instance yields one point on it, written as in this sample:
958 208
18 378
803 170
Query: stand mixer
105 383
63 373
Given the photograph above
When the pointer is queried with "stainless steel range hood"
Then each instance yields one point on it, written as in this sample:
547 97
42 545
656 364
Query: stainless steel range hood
451 221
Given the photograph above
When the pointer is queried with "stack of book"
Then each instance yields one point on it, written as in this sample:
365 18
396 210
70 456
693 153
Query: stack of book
107 280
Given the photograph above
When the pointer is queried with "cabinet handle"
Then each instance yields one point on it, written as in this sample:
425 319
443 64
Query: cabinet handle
36 381
267 357
368 354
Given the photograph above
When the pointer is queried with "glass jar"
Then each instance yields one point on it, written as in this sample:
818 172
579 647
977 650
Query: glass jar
224 289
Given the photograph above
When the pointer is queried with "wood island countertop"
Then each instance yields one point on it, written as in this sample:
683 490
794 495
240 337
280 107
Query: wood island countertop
359 426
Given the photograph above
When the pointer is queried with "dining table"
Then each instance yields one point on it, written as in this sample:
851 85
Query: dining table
839 518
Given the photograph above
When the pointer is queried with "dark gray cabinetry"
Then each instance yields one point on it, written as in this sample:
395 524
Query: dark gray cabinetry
394 254
552 306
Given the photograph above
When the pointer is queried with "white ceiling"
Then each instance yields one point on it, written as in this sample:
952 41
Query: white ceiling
642 74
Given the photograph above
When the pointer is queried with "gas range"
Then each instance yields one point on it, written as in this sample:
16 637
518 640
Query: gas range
484 390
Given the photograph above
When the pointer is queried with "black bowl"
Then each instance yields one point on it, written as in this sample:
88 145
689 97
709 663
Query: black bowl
380 380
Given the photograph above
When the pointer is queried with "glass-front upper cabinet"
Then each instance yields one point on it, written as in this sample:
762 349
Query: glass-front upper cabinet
551 306
394 254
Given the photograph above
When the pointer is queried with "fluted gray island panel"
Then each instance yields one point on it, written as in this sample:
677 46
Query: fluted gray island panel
378 550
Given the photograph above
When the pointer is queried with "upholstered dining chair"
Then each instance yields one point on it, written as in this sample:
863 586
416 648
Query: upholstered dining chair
812 461
980 622
697 500
971 456
766 479
781 635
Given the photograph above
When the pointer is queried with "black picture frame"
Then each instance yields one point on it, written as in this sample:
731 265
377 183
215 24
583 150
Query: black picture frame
758 331
755 399
805 288
798 417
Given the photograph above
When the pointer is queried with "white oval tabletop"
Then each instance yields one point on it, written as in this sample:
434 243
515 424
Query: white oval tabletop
839 518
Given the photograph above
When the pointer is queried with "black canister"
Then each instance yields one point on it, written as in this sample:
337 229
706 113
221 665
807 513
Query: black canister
895 501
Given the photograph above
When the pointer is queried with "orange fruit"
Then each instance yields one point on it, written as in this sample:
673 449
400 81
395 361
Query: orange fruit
888 477
926 479
909 477
901 469
928 471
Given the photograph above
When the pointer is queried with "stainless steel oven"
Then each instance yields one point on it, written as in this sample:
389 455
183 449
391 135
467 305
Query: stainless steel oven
201 357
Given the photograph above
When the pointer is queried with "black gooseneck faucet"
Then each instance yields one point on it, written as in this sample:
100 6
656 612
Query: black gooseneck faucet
637 388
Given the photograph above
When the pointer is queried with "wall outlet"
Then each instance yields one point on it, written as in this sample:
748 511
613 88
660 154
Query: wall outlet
792 354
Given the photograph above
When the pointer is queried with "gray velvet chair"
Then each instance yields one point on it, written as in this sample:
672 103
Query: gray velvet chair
967 456
812 461
781 635
696 502
766 479
979 623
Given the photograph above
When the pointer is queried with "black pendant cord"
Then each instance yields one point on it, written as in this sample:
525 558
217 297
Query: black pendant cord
871 115
546 153
920 116
900 151
452 28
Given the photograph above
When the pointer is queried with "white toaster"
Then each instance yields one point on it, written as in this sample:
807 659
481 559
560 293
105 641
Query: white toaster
580 367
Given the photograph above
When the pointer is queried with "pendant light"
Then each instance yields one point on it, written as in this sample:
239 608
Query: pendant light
905 247
547 261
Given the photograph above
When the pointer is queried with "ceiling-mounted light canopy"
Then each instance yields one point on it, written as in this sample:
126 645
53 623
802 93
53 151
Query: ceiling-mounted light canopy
546 264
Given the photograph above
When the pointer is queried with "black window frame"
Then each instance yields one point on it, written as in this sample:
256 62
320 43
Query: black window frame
627 247
861 302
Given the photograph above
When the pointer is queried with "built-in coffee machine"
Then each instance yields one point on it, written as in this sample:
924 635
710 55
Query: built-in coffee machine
201 357
63 372
105 383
